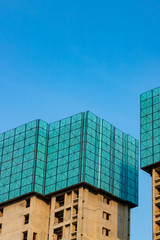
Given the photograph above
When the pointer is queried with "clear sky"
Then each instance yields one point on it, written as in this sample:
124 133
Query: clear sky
61 57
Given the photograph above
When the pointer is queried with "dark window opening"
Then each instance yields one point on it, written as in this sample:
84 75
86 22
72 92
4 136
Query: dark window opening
106 215
58 217
68 214
76 194
25 234
74 227
105 232
34 236
58 233
69 197
75 210
67 231
27 202
26 219
107 200
1 212
158 171
158 209
60 201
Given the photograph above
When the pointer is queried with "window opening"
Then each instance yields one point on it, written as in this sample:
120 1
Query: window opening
105 232
68 214
34 236
1 212
106 215
58 217
75 210
26 219
76 194
58 232
25 234
74 227
107 200
27 202
68 197
60 201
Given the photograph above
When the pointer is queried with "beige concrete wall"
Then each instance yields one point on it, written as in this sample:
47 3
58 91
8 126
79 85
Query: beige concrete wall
153 204
13 220
93 220
71 202
40 218
79 214
156 203
90 219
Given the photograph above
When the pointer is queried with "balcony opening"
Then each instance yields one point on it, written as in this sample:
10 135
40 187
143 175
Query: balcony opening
34 236
157 173
58 233
105 232
1 212
157 228
157 211
25 235
27 202
75 210
107 200
157 192
106 216
74 227
68 214
0 227
68 197
60 201
26 219
75 194
58 217
67 230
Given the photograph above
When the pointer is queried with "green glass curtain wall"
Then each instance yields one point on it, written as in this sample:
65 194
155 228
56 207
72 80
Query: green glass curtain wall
45 158
150 127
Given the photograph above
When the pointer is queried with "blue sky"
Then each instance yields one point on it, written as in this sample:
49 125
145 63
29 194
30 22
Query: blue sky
59 57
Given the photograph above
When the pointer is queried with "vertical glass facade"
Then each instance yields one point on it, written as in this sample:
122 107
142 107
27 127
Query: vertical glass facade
44 158
18 154
111 161
65 149
150 127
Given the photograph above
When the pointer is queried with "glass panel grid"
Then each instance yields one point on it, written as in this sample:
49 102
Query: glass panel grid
17 161
150 127
45 157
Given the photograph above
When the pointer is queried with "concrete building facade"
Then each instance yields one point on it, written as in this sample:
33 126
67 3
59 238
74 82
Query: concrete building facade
73 179
79 213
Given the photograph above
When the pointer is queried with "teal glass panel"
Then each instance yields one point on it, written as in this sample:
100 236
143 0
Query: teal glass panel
150 127
18 156
109 159
64 151
45 157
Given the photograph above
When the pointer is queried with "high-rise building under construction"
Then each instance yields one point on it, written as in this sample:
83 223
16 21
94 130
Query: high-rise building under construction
74 179
150 149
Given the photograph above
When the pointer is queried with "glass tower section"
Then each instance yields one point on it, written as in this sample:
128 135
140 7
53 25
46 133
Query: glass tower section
150 128
44 158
